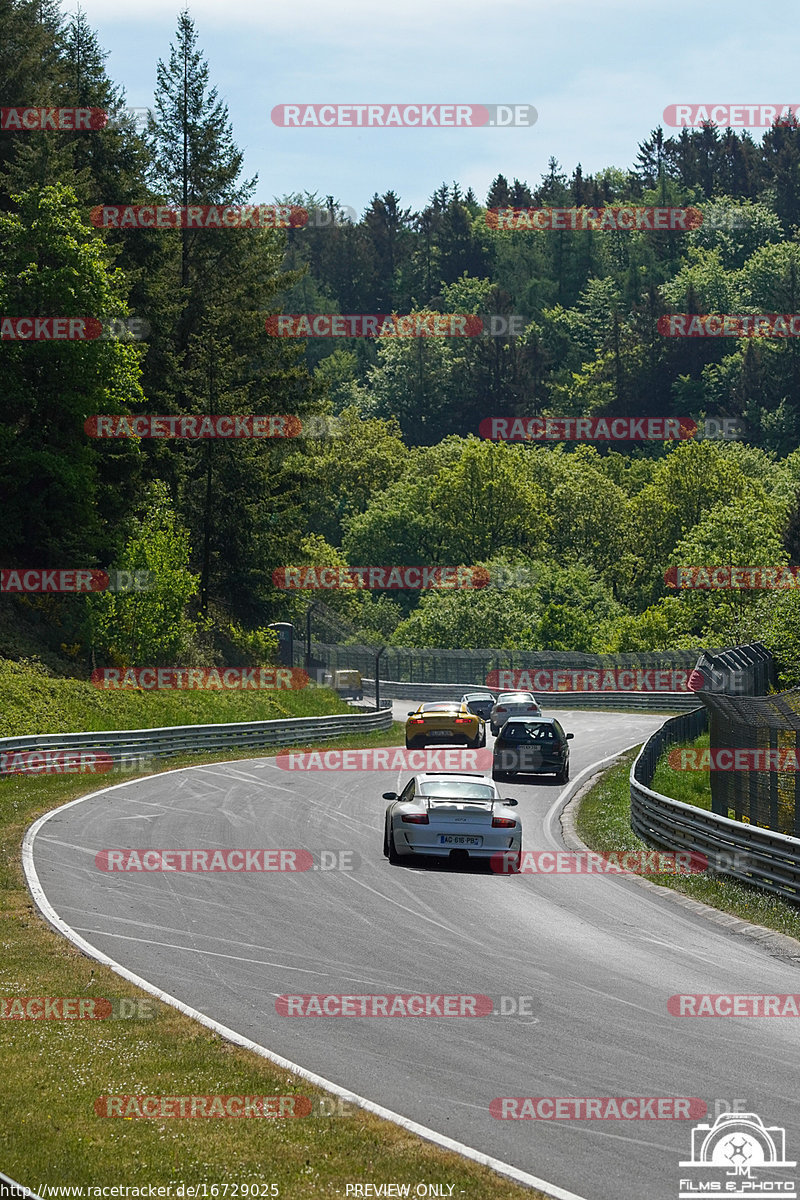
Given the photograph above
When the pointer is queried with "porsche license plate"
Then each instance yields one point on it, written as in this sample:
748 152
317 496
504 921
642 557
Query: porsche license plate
459 839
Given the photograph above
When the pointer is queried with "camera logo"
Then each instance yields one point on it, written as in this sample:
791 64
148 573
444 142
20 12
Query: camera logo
729 1151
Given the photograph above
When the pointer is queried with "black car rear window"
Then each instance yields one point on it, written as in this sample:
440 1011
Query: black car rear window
528 732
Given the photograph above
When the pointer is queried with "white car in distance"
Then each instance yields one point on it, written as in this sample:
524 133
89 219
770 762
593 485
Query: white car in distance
512 704
442 814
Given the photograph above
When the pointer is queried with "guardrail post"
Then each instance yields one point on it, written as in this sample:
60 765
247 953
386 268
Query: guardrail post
378 679
773 783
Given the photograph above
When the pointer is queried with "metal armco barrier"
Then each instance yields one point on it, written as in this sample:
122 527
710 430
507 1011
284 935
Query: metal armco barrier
768 860
15 1191
471 667
124 745
657 701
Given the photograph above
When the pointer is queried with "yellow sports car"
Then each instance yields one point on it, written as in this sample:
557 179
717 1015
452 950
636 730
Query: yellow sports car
446 722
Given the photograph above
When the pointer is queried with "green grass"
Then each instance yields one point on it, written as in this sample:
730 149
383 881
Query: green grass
35 702
604 824
53 1071
690 787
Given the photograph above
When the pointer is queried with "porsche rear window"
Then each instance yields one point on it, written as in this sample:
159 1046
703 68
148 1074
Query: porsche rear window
444 789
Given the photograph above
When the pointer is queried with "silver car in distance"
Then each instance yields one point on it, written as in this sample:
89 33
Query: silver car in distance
512 704
444 814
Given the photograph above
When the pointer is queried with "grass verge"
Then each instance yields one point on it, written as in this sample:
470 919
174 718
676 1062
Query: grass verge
36 702
603 822
690 787
54 1070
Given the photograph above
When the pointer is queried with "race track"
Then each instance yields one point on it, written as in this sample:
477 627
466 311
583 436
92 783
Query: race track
600 956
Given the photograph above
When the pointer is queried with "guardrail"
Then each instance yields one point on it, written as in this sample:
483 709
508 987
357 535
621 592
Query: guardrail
659 701
768 860
15 1191
125 745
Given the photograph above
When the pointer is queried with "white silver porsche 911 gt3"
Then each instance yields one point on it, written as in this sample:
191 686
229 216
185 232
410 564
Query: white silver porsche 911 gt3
449 815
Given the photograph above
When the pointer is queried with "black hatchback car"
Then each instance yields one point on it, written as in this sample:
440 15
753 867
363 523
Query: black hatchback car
531 746
480 703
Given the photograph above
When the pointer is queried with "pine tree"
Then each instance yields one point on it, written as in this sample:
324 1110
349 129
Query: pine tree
111 162
387 226
650 159
238 500
195 159
30 76
521 196
499 194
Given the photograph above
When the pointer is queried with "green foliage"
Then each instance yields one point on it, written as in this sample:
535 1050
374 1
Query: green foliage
53 482
400 477
36 702
257 646
150 627
533 605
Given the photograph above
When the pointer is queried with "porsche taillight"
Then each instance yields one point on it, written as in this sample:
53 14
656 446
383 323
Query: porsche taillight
501 822
415 818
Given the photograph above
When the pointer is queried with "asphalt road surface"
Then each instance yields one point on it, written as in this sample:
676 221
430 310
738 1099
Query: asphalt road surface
599 955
